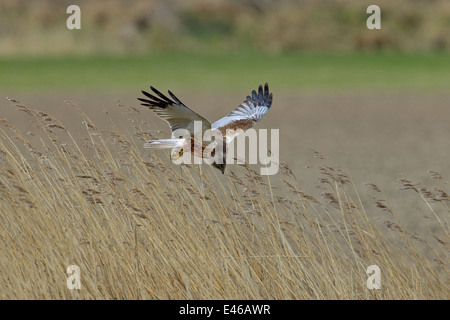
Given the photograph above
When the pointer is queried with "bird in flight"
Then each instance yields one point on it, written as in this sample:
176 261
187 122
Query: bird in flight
178 116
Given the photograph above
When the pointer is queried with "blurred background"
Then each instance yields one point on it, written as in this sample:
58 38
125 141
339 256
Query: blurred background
218 26
374 102
219 45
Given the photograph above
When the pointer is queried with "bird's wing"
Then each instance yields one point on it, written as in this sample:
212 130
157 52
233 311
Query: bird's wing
177 115
246 115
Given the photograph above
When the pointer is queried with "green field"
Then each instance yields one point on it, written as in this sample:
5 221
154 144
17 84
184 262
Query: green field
291 72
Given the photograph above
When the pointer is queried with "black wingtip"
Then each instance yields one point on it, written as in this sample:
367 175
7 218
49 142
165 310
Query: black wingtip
160 95
153 101
262 96
254 95
157 99
142 100
175 98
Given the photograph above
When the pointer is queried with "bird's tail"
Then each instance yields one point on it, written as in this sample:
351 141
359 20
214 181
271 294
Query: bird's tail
164 143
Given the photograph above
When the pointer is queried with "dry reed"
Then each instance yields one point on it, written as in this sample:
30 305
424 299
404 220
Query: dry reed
142 228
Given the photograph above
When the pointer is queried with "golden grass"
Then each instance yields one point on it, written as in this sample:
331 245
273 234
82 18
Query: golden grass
142 228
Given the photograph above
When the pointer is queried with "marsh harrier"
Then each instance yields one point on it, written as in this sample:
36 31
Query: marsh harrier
178 116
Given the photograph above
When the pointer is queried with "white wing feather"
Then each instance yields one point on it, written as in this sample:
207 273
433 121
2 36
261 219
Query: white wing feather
247 114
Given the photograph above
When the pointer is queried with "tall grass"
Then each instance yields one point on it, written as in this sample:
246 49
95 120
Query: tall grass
141 228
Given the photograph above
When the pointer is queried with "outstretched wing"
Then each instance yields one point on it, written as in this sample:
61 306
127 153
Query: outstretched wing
177 115
246 115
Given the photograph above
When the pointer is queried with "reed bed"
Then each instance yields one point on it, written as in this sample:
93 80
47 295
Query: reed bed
140 227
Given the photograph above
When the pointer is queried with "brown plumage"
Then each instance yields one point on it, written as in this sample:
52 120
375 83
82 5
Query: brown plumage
178 116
